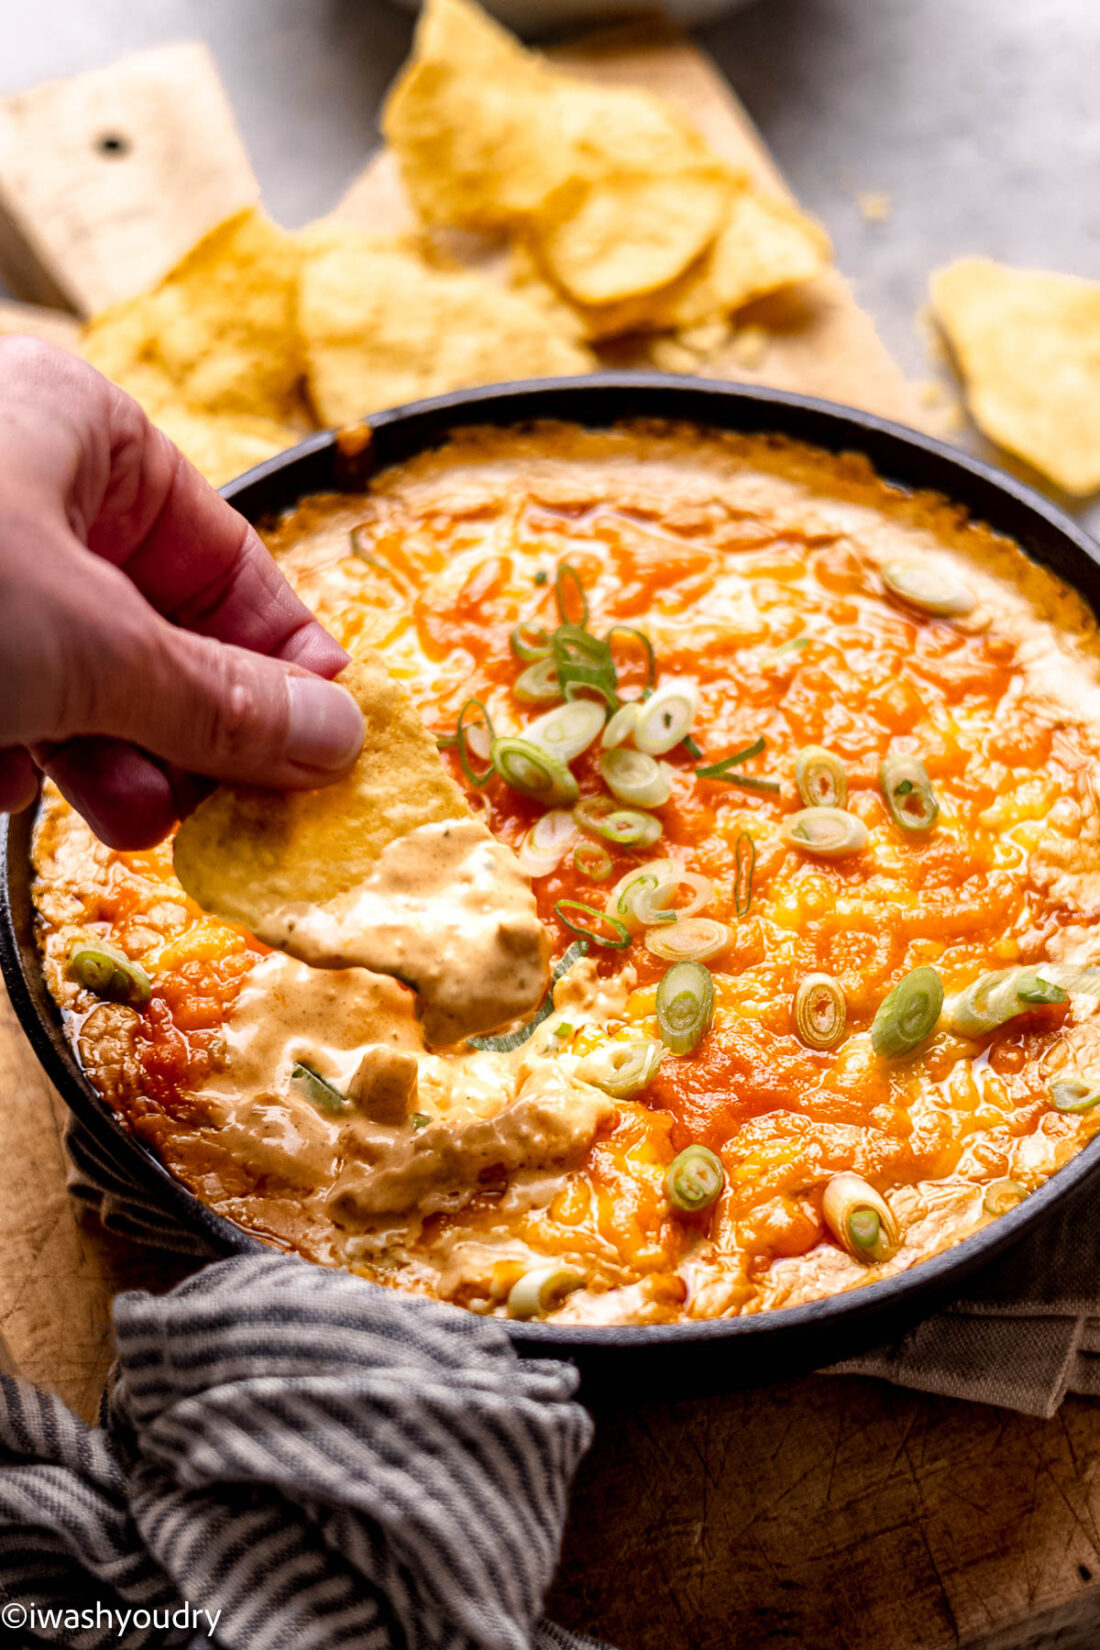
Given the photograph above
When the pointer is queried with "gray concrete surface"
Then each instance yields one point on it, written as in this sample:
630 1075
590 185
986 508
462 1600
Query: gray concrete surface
980 118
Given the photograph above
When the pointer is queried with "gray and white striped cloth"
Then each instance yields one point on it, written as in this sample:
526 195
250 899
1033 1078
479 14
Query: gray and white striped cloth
315 1461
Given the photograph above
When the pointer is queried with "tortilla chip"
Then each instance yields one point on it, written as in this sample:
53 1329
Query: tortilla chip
224 446
1028 344
382 327
246 853
220 327
764 245
620 193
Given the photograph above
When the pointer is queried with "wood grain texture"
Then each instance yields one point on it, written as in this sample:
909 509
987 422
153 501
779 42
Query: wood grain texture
830 1514
108 178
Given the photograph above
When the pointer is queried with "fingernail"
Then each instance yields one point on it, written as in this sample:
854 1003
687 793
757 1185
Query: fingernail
326 726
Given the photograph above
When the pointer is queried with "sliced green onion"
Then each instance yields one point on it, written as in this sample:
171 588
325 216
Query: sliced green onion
743 782
820 1011
542 576
830 833
651 904
567 730
462 739
631 776
515 1039
563 1029
685 1006
690 939
859 1218
529 643
691 747
541 1291
419 1120
640 636
1070 1094
820 777
621 899
695 1180
745 869
994 998
538 682
719 770
912 802
665 717
566 577
628 826
776 655
533 772
1003 1195
929 588
584 664
109 973
909 1014
621 726
592 859
622 1069
547 842
311 1086
620 933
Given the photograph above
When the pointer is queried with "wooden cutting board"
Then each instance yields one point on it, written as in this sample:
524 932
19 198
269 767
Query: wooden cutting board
828 1514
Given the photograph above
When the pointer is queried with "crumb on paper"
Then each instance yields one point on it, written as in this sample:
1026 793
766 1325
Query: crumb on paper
875 205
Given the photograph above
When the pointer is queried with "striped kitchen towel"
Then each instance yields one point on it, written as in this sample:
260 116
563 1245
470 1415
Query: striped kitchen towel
303 1459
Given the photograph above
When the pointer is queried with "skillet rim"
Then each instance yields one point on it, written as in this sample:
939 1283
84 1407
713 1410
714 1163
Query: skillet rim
902 457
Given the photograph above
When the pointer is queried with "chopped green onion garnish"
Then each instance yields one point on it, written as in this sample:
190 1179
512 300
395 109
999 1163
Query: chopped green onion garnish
634 777
640 636
532 771
830 833
665 717
691 747
419 1120
994 998
109 973
651 897
1003 1195
859 1218
628 826
563 1029
820 777
567 730
776 655
695 1179
742 781
931 589
538 682
547 842
685 1006
616 940
717 770
463 742
908 791
820 1011
745 869
688 939
584 662
542 576
313 1087
909 1014
592 859
543 1290
1070 1094
621 726
514 1039
622 1069
565 579
529 644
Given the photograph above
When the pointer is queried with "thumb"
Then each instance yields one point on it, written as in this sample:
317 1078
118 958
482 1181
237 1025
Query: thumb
227 712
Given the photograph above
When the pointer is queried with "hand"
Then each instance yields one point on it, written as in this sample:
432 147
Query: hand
146 635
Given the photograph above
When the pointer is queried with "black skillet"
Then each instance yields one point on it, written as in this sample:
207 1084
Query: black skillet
664 1357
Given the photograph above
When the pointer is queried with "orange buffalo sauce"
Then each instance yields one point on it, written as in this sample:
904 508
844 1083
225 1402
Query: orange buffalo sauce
724 550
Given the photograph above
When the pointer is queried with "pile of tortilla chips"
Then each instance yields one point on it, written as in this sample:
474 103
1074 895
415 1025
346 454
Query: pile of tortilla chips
1028 344
619 220
610 196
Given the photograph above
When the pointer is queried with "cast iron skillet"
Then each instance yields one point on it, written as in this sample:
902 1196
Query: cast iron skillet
725 1352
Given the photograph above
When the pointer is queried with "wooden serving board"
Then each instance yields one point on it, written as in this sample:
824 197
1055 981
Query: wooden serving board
828 1514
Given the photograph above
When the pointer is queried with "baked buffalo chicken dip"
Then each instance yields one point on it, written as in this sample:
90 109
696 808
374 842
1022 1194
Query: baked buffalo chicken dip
801 769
